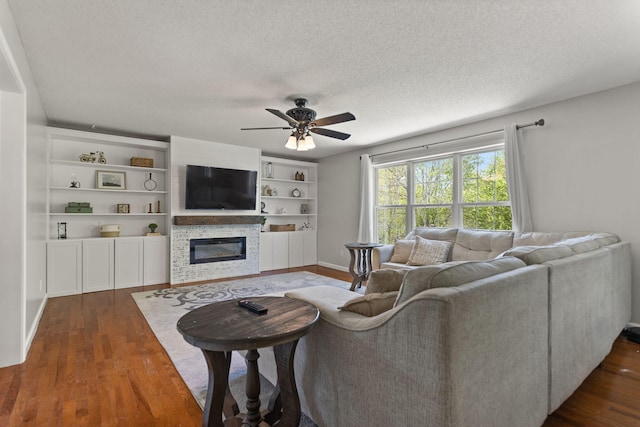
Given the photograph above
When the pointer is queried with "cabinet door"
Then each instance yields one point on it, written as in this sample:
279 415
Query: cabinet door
128 262
280 250
296 249
64 268
310 248
156 257
266 252
97 265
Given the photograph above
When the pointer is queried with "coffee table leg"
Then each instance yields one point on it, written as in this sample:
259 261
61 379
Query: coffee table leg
219 398
253 389
287 384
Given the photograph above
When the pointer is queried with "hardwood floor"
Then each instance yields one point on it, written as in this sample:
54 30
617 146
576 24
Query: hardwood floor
95 362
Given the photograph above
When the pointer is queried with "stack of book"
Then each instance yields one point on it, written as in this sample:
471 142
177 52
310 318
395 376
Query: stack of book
78 207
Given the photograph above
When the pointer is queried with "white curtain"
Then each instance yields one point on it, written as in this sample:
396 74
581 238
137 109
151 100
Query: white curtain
516 181
365 226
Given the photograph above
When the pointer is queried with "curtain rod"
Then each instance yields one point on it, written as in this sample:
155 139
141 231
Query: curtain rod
536 123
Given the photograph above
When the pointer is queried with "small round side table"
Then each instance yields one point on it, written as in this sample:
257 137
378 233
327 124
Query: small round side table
360 263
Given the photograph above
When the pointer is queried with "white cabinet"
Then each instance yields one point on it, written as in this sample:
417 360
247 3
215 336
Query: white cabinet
156 254
142 193
89 265
128 262
97 265
64 268
287 249
310 248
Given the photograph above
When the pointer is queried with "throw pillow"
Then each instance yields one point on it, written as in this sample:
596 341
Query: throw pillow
371 304
429 252
401 251
385 280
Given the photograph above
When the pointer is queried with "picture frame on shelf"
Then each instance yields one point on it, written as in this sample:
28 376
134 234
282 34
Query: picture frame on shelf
111 180
122 208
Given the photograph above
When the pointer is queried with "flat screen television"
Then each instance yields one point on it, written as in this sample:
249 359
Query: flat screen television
219 188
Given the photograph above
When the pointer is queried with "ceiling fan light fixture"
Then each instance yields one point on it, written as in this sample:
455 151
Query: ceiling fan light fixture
291 142
309 142
302 145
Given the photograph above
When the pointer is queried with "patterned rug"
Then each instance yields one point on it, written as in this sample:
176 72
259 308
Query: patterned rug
162 309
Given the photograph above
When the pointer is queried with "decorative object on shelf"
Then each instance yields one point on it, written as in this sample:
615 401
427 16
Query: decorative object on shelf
305 226
269 170
88 158
304 208
262 206
274 191
281 211
150 184
74 181
110 230
101 158
263 221
266 190
78 207
62 230
122 208
296 193
110 180
282 227
150 209
158 208
299 176
153 227
142 162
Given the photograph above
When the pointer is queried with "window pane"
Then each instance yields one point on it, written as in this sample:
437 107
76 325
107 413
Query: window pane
392 185
433 182
485 178
392 224
487 217
434 217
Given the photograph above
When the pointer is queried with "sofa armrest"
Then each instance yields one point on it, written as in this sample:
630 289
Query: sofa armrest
381 254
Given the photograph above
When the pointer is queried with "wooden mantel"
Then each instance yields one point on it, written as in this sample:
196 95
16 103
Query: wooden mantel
217 219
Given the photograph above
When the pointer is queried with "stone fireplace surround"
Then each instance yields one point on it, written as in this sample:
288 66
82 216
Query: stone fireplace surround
185 228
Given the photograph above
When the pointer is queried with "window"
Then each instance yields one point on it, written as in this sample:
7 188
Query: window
465 190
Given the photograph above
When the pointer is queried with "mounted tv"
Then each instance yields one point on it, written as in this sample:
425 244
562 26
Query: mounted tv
220 188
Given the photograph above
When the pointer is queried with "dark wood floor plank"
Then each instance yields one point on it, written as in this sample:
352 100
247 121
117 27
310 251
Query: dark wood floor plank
95 362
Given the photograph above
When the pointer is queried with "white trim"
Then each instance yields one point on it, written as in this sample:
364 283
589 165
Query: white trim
36 323
334 266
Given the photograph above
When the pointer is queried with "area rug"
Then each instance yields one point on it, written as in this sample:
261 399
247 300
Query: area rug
162 309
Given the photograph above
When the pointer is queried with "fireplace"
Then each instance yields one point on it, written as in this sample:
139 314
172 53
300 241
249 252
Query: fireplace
217 249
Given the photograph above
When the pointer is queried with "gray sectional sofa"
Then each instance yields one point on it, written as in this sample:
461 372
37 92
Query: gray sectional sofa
498 335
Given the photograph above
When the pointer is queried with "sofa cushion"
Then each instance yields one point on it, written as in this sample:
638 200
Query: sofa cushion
396 266
385 280
402 250
371 304
441 234
453 274
473 245
429 252
538 254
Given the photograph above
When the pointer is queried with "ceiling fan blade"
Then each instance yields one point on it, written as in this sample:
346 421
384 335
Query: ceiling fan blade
265 128
330 133
338 118
283 116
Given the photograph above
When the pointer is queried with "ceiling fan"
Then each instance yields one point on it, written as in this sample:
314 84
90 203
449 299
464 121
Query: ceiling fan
302 121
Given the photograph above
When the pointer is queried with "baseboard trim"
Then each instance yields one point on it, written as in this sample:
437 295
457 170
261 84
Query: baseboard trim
34 327
633 325
334 266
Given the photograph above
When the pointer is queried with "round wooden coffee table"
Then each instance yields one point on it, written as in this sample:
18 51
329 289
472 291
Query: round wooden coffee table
222 327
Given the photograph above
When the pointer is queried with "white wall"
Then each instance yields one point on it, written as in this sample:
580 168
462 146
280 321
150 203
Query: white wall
582 168
23 181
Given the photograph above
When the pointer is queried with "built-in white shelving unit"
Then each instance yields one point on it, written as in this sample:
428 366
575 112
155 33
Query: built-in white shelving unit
84 261
287 200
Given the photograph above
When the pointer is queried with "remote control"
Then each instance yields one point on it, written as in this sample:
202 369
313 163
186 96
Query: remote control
252 306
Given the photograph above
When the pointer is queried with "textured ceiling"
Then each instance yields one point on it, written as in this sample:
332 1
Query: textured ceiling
204 69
